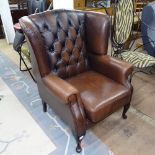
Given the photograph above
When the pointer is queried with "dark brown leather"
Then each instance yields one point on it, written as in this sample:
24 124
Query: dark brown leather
111 67
66 92
100 95
72 113
35 39
64 41
74 75
97 24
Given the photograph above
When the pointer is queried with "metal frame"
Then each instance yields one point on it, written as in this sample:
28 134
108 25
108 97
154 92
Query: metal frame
21 59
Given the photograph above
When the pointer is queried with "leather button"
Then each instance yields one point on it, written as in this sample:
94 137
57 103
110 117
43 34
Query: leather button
45 27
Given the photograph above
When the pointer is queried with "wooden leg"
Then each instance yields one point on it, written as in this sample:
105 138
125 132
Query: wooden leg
78 148
126 107
44 106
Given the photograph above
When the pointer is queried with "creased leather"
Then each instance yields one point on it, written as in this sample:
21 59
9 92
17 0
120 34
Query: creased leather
95 26
60 88
63 37
113 68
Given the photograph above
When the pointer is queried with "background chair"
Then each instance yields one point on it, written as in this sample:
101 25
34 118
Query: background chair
21 47
148 28
36 6
20 44
74 74
122 31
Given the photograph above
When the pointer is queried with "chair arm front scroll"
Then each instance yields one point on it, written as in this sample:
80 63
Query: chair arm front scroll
60 88
71 99
115 69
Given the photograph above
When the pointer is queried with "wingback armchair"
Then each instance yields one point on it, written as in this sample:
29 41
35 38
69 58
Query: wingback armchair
74 74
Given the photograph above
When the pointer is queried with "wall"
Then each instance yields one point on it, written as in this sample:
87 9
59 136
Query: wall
66 4
7 21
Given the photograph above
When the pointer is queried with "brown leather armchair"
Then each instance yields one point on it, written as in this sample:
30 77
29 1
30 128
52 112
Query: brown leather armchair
74 74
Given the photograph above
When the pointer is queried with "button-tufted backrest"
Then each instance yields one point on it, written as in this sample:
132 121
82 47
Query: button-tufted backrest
59 39
63 35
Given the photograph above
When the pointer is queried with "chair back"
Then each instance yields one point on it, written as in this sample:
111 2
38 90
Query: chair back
148 28
36 6
61 42
122 22
18 40
22 4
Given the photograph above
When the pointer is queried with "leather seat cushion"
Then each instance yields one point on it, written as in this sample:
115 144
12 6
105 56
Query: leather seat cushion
99 93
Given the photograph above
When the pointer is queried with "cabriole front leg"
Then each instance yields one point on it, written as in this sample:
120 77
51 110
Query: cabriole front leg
126 107
44 106
78 148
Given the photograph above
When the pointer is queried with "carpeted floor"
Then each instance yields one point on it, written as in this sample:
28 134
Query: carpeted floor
19 132
51 127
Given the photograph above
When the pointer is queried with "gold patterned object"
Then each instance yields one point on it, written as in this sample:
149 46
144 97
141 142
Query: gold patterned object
25 51
122 28
123 21
138 59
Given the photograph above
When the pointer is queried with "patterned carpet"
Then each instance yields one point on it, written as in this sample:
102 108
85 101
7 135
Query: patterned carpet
62 141
19 132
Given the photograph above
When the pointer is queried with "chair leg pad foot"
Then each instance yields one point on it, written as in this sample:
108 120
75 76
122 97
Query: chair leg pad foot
44 107
126 107
78 148
124 116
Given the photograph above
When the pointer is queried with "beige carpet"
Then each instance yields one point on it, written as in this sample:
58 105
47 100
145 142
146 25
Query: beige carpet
19 133
127 137
144 94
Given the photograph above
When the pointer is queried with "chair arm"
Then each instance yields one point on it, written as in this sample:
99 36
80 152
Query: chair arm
70 96
65 91
113 68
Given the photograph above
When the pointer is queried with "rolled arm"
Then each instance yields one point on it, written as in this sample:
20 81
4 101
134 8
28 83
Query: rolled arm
65 91
115 69
70 96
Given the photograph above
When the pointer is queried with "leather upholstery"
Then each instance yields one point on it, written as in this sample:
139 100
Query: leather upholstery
74 74
64 42
97 25
100 95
